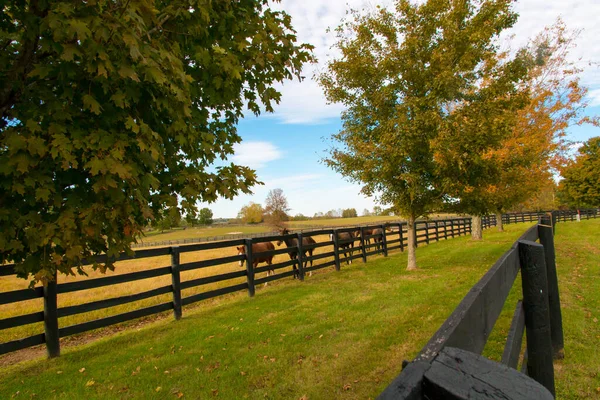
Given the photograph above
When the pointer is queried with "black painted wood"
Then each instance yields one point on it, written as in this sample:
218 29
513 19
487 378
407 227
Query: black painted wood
211 245
546 235
400 236
51 319
384 241
213 293
275 277
408 385
336 249
537 316
514 342
300 257
212 262
21 320
363 250
249 271
459 374
470 324
116 301
324 265
21 295
114 319
7 270
176 282
212 279
19 344
274 267
112 280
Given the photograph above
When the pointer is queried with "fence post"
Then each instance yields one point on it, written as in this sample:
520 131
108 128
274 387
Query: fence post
249 267
300 258
51 318
452 228
362 244
426 232
401 236
437 231
383 241
336 249
537 317
176 280
556 331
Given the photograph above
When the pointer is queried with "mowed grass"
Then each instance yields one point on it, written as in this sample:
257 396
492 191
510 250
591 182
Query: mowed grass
336 335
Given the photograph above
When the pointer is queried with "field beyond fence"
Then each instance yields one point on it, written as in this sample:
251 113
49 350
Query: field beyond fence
168 279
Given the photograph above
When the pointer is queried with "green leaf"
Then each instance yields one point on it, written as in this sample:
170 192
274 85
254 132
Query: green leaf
91 104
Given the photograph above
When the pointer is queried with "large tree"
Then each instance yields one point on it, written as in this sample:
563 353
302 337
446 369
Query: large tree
581 184
112 112
251 213
399 74
536 149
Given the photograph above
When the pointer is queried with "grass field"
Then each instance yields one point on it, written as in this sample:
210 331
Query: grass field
336 335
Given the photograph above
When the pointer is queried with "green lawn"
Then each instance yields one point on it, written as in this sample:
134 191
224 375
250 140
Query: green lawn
336 335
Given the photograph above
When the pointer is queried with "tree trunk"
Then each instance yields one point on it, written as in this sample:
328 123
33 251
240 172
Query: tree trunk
499 223
412 245
476 229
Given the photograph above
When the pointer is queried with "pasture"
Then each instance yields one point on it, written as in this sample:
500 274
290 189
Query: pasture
336 335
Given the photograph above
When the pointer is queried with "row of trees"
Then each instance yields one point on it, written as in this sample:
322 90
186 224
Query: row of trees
439 117
275 211
580 187
173 219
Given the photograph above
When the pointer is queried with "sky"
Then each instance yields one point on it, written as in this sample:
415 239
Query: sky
287 147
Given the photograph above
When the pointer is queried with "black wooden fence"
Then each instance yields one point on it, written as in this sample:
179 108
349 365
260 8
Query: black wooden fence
450 365
394 238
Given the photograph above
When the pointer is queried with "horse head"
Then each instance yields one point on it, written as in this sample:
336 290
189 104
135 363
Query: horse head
241 250
282 232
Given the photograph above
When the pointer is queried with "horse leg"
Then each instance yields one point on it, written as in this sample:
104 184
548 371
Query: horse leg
310 253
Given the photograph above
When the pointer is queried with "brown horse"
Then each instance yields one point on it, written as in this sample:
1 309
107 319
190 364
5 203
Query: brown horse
293 243
257 258
347 237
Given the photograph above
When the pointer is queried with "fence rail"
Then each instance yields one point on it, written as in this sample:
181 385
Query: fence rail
458 343
391 236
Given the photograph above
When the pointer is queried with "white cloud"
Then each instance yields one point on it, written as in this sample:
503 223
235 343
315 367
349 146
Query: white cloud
304 102
255 154
594 97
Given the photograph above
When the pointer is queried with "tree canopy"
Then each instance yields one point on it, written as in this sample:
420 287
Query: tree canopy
581 184
205 216
276 207
252 213
111 113
400 74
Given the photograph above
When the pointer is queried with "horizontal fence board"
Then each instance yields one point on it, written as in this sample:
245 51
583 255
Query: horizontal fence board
213 293
116 301
531 234
394 247
212 279
274 267
212 245
374 252
210 263
112 280
114 319
273 277
22 343
102 258
512 350
306 247
22 320
470 324
320 266
319 256
284 250
7 270
21 295
274 238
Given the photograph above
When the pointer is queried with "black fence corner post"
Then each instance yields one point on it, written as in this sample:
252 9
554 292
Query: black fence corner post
51 318
537 317
249 267
401 235
556 330
176 280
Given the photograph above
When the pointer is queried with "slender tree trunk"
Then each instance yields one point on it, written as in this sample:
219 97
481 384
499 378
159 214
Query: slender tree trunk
476 228
499 223
412 245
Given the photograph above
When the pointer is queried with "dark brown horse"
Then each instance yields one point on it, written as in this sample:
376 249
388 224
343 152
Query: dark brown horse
257 258
293 243
348 246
